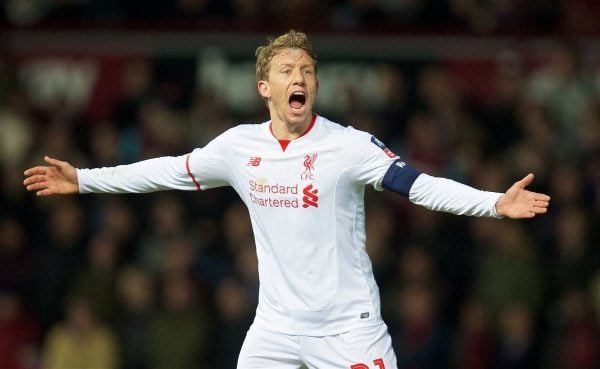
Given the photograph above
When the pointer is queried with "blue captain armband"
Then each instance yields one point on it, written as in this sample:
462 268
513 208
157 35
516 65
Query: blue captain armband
400 178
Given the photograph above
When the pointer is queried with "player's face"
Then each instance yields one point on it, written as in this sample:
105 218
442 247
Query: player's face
291 87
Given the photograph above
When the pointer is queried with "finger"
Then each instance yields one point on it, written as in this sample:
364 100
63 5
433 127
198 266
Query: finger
540 196
45 192
34 178
37 186
526 181
543 198
36 170
55 162
539 210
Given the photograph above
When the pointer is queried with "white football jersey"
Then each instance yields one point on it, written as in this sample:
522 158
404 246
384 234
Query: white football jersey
307 211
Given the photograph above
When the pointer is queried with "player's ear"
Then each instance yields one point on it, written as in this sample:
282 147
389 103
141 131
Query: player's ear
263 89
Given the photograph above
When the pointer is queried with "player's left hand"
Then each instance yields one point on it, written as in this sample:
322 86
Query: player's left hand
59 177
518 202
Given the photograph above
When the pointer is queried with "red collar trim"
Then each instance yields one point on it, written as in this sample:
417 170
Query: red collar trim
284 143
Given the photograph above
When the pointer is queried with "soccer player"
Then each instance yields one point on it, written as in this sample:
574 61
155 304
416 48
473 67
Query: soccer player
302 178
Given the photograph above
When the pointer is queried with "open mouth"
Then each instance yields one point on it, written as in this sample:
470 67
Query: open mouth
297 100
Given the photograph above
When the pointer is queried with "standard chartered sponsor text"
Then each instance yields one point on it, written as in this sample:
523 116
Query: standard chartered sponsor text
273 188
259 195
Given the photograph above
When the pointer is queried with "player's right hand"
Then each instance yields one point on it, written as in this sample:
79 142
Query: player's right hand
58 178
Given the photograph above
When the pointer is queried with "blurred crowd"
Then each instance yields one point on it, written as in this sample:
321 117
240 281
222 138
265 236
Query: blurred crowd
480 16
169 279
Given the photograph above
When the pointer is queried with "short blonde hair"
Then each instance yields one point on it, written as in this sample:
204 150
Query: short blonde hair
290 40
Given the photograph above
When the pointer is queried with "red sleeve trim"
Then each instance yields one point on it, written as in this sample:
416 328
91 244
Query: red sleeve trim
189 172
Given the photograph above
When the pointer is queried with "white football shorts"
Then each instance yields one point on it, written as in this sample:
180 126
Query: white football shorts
361 348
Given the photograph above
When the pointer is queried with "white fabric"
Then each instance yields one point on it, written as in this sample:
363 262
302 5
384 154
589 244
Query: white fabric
441 194
307 212
369 347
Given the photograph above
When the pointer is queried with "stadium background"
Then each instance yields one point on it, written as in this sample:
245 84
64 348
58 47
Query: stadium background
478 91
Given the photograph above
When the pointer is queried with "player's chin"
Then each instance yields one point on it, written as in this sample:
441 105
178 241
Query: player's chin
299 115
302 112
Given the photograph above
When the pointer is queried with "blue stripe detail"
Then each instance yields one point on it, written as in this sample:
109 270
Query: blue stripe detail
400 177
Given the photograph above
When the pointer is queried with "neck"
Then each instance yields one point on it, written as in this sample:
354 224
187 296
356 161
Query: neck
289 131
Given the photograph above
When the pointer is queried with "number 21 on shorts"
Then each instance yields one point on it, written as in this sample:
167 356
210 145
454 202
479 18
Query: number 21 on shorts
378 362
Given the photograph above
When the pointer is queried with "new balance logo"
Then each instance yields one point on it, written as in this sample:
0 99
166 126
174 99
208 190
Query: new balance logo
254 161
310 197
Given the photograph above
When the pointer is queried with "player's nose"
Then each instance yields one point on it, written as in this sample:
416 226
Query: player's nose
298 77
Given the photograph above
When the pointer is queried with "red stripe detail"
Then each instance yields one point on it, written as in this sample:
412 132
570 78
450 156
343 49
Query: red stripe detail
284 143
189 172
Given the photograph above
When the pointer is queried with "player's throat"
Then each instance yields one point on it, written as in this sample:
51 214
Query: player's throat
285 142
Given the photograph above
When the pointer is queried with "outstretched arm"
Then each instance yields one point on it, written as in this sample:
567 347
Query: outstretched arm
185 172
442 194
518 202
59 177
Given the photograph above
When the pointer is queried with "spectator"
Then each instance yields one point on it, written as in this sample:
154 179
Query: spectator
562 87
179 333
573 335
474 343
517 346
576 258
380 241
165 224
57 254
16 264
501 112
510 272
80 340
421 339
95 280
234 310
116 217
540 137
19 333
136 296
